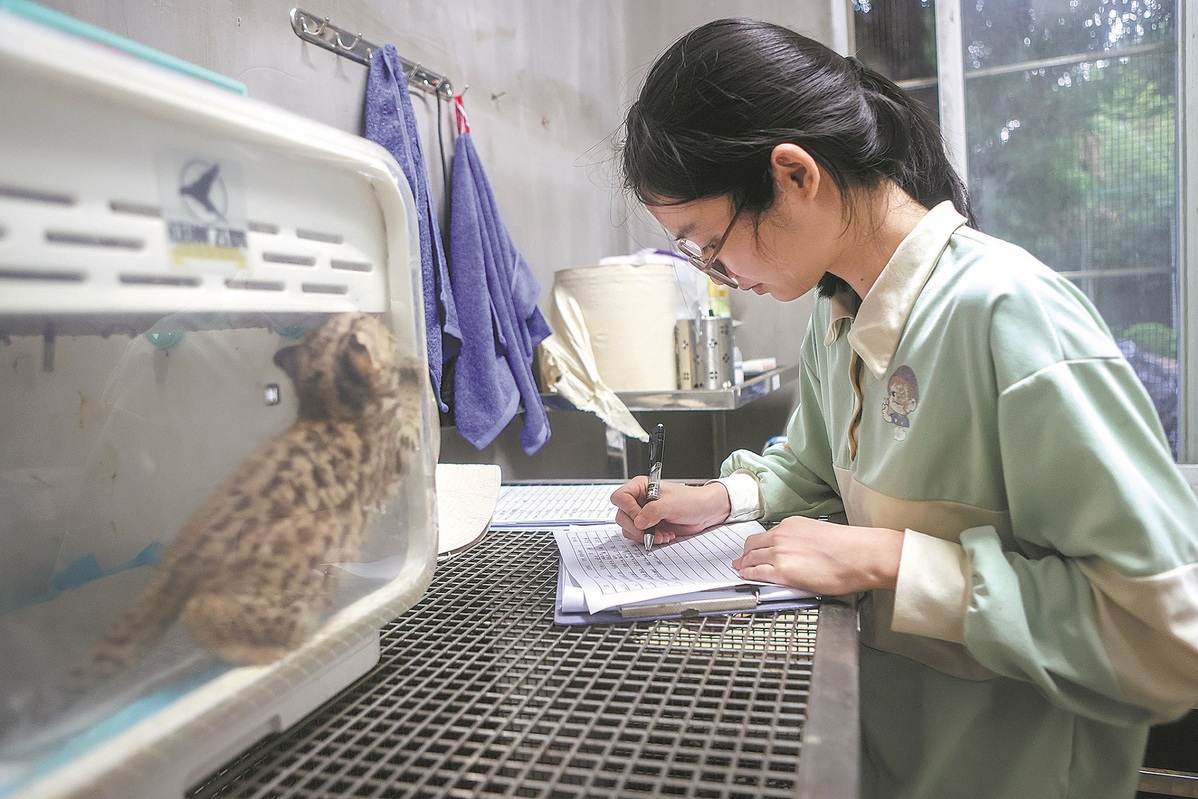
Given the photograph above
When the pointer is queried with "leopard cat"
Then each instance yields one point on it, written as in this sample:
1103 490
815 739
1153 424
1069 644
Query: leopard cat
248 575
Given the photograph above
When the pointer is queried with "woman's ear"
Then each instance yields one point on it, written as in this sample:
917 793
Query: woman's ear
794 170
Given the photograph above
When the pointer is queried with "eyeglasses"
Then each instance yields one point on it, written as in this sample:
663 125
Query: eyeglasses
710 266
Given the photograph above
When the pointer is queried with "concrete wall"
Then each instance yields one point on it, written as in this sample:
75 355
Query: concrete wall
543 77
548 84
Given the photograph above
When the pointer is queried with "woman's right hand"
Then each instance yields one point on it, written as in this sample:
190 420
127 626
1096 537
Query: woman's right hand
681 510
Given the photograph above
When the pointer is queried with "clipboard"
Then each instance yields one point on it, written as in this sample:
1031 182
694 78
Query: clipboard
747 602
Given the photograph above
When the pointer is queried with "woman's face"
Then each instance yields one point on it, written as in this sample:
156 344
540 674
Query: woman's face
785 256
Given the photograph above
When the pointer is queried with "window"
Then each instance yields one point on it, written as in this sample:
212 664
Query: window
1070 147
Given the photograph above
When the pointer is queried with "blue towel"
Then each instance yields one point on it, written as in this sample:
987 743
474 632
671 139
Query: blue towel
496 295
391 122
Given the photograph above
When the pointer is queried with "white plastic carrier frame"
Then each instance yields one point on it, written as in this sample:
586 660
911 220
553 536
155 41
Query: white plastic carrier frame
162 241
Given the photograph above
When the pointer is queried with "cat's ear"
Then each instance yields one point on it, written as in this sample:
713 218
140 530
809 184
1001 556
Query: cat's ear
360 357
285 360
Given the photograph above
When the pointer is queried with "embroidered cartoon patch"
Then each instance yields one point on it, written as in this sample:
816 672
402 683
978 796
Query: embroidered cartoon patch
902 397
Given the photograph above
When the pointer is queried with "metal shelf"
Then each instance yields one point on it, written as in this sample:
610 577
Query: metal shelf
479 694
696 399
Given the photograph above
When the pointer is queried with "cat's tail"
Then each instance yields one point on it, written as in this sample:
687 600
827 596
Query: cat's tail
135 632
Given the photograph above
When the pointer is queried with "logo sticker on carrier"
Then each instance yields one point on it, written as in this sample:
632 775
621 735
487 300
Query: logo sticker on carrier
203 203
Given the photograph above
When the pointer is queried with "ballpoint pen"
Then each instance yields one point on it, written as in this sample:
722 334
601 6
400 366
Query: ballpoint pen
657 448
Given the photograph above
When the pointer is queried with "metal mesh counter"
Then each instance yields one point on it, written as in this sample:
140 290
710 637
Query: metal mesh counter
478 693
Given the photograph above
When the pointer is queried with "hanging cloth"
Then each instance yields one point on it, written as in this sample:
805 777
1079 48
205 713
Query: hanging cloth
391 122
496 295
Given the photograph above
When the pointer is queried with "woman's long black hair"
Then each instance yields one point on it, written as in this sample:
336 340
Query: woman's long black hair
718 101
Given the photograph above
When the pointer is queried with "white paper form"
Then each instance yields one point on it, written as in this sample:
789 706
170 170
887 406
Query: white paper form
550 506
614 571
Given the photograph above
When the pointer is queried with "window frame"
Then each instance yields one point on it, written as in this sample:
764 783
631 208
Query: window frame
1187 290
950 68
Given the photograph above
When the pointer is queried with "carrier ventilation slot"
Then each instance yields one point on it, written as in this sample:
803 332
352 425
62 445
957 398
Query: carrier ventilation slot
120 258
50 276
285 258
134 209
351 266
36 195
324 288
255 285
314 235
160 280
93 240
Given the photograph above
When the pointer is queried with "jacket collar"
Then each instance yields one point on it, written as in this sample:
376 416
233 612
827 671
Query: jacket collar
879 319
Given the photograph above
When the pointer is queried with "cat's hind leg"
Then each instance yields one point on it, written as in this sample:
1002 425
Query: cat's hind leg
249 629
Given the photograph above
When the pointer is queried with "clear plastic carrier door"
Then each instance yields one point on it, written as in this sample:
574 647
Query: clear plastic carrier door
218 439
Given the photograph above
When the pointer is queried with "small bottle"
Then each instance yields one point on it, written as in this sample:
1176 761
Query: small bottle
718 299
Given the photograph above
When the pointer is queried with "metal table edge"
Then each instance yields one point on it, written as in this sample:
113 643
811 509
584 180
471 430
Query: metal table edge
830 765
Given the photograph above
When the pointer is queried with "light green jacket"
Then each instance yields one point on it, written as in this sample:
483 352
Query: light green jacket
1047 603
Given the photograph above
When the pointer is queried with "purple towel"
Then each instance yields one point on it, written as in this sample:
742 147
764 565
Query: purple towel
391 122
496 295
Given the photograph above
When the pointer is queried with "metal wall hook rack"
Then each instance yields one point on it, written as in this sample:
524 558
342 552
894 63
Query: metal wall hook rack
321 32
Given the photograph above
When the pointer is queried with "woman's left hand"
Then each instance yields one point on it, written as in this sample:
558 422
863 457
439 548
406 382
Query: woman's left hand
822 557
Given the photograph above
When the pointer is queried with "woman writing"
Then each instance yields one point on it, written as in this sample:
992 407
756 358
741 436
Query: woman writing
1024 546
